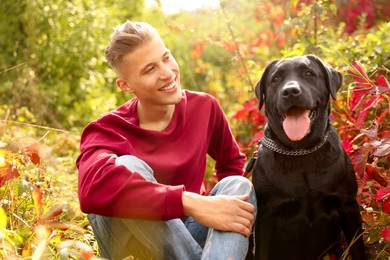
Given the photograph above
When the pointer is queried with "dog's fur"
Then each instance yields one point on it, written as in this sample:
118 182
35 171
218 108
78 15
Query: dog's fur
305 202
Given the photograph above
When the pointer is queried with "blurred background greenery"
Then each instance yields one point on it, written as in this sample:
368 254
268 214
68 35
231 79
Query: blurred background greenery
52 52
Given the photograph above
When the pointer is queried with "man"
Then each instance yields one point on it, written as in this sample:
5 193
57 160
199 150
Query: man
141 166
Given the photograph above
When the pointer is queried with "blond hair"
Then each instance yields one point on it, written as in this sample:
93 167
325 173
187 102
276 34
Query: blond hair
126 38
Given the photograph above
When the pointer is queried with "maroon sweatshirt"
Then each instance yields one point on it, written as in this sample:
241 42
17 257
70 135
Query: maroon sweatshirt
177 156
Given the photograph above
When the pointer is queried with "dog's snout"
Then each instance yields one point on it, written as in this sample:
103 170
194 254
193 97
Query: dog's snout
291 89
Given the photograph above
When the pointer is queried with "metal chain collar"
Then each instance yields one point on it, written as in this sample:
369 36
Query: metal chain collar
271 145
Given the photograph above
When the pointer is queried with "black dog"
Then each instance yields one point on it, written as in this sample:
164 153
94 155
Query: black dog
304 181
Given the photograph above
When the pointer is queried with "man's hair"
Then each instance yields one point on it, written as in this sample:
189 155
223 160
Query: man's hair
126 38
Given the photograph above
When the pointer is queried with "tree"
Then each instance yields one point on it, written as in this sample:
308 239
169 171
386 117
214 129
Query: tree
52 59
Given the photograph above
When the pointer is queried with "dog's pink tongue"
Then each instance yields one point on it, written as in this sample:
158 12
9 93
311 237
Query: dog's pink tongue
297 123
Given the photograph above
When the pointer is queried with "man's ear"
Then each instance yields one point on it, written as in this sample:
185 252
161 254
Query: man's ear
124 85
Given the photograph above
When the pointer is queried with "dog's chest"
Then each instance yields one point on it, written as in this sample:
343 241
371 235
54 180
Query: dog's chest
299 185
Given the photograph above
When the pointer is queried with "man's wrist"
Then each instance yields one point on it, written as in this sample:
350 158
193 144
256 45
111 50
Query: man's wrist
190 201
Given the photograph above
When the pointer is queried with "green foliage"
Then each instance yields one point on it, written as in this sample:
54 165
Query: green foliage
57 51
39 211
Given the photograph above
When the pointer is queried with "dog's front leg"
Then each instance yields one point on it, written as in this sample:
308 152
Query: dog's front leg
352 228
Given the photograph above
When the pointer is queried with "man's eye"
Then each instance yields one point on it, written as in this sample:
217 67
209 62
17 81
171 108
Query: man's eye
149 70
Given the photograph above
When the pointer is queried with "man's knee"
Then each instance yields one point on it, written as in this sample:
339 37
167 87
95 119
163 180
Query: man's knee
238 182
134 164
233 185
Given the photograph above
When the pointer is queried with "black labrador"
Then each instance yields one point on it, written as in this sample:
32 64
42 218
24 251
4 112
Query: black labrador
304 181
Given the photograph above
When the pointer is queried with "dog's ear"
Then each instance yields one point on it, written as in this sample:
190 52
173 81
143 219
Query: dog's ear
261 84
334 78
260 94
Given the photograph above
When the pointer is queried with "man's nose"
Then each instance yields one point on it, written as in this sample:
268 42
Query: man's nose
166 71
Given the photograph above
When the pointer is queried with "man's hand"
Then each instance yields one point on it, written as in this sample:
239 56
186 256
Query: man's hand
221 212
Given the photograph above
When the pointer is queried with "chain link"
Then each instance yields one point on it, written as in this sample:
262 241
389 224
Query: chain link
271 145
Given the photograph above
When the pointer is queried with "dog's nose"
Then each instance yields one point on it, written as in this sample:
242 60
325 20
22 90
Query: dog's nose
291 89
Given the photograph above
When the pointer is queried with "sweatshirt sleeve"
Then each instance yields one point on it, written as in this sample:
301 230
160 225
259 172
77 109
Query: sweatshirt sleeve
224 148
110 190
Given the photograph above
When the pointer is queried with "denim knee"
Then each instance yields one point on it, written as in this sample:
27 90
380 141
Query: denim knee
236 185
134 164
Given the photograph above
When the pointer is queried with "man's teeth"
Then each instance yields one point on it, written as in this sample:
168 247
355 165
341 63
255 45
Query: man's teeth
170 86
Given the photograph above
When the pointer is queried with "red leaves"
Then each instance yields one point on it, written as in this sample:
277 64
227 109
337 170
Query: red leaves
377 173
32 152
367 140
351 11
9 161
8 168
384 196
251 112
197 49
366 98
365 93
50 220
250 116
386 234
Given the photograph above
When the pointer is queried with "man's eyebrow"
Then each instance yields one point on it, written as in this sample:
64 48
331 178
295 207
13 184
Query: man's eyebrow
167 52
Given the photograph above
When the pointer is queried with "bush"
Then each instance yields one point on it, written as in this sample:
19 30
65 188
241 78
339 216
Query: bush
39 211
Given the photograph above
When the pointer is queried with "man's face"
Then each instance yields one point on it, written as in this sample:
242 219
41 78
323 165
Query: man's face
152 74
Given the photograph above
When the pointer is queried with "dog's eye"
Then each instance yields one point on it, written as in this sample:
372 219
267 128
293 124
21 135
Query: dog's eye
275 79
308 73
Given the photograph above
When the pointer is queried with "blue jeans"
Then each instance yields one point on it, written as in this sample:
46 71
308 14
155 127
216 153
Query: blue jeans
174 239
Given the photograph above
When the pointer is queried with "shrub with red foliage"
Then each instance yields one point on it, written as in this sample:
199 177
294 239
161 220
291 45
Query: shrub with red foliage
351 11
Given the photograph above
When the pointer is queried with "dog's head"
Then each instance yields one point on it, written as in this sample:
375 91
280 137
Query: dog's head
296 94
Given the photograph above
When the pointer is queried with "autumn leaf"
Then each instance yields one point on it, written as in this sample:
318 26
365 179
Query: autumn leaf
7 170
55 224
386 206
38 201
382 147
372 131
32 151
383 194
382 84
346 144
358 103
379 174
53 212
385 233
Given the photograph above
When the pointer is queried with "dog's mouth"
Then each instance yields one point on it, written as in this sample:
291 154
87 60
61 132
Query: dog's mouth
297 122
